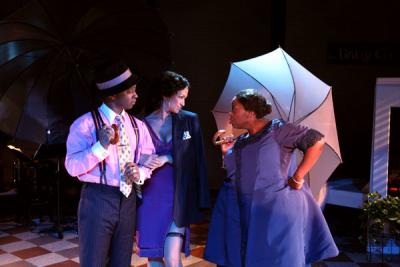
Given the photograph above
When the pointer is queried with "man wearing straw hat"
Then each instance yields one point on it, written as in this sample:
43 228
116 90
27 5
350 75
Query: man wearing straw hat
102 152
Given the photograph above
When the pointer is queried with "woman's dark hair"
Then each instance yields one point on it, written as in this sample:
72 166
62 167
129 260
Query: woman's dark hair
172 82
253 101
169 84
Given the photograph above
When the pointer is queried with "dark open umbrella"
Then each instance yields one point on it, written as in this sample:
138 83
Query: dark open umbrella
46 70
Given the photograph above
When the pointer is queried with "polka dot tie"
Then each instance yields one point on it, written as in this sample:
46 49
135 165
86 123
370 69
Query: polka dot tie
124 156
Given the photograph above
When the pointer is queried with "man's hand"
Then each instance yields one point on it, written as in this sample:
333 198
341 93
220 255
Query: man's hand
106 133
131 173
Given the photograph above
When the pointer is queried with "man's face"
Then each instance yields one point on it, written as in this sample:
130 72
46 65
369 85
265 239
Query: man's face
127 99
238 117
177 101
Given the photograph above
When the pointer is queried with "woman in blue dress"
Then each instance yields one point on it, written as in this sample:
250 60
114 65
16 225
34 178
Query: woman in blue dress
263 215
177 191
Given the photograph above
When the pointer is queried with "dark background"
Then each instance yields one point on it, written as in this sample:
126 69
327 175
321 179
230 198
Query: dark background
347 44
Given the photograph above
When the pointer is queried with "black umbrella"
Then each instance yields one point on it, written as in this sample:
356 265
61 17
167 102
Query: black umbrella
46 69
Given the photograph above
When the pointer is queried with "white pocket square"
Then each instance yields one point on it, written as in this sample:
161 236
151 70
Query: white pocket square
186 135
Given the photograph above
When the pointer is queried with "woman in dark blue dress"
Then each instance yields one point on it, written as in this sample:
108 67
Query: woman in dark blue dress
263 214
178 190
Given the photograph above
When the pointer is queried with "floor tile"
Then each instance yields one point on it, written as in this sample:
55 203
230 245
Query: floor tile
15 246
59 245
64 264
199 241
17 230
69 253
26 249
8 258
137 261
30 252
46 259
8 239
70 235
3 234
27 235
199 230
197 252
202 264
42 240
5 226
74 240
190 260
19 264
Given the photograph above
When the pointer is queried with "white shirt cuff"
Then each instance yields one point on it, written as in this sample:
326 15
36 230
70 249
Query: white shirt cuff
99 151
142 177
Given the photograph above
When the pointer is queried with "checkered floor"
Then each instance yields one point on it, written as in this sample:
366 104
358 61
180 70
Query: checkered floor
24 246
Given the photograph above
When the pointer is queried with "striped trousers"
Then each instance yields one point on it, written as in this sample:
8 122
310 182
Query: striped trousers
106 224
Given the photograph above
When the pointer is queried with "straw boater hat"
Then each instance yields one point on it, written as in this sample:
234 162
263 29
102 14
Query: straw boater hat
114 78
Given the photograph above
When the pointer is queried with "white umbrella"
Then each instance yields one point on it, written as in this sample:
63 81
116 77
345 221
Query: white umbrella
296 96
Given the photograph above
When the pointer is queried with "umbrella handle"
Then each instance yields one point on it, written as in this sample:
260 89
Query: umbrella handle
115 139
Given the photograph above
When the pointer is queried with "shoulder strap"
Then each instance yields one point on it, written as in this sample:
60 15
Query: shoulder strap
136 129
98 123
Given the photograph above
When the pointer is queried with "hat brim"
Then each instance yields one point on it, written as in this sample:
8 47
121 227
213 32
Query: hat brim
125 85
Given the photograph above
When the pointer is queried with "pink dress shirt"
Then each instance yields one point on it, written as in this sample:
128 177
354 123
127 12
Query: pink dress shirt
84 153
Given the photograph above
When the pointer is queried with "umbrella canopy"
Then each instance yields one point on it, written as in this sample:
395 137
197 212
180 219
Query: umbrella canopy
296 96
46 60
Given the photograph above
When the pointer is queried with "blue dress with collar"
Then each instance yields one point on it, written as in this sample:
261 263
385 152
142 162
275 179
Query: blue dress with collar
259 220
155 212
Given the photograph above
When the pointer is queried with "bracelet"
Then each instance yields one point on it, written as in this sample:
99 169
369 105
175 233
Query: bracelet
297 182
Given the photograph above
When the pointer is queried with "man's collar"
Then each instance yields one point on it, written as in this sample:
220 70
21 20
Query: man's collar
110 114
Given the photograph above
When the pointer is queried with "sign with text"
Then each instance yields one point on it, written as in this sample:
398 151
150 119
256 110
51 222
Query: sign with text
363 53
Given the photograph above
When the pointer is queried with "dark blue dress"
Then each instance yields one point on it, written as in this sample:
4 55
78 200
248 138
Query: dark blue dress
258 219
155 213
